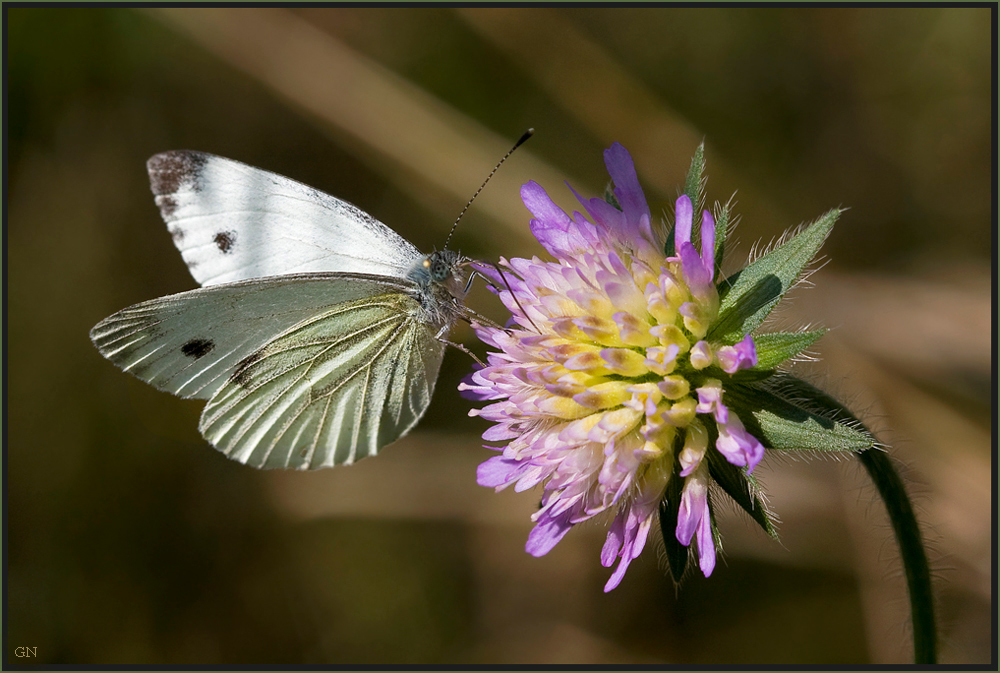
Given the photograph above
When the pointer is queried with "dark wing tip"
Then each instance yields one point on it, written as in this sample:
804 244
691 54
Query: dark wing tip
170 171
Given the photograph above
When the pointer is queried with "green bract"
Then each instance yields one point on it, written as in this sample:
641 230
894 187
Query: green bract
783 412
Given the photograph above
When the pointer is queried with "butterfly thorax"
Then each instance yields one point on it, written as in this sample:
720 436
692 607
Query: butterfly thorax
440 286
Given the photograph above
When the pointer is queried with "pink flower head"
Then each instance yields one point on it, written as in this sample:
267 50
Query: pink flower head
599 377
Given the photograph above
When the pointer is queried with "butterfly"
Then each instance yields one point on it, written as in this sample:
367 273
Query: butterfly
318 332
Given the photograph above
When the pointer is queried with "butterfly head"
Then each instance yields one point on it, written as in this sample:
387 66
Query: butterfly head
440 286
441 267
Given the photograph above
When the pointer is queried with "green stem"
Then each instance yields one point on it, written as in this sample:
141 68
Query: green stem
911 549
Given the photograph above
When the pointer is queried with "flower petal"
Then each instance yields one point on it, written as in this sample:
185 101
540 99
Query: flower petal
616 536
710 401
637 527
621 168
553 228
741 356
541 205
697 275
706 546
499 472
693 507
609 220
708 241
737 445
500 433
683 214
546 535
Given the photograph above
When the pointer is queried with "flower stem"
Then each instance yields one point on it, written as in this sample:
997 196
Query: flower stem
911 550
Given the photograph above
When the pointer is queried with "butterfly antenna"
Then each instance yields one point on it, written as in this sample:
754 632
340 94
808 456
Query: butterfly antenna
520 141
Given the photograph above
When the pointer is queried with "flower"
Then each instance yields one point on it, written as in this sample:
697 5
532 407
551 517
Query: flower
634 380
609 381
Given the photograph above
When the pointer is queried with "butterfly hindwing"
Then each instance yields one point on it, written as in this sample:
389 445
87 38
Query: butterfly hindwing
232 222
189 344
329 391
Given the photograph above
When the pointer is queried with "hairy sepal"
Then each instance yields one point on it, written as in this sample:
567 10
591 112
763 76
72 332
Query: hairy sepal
787 414
743 488
749 295
774 348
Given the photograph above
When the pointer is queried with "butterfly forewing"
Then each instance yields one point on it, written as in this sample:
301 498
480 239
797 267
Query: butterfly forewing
331 390
232 221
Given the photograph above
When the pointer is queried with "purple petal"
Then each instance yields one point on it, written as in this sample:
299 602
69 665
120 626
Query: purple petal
741 356
641 532
618 574
469 388
585 232
473 394
621 168
683 214
636 531
708 241
706 546
747 350
616 536
500 433
533 477
546 534
710 401
737 445
607 217
687 521
487 270
537 200
551 224
646 232
693 508
695 517
698 276
498 472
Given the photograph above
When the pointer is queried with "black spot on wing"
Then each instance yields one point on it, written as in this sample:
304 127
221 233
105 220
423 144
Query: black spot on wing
171 171
177 234
197 348
241 375
225 240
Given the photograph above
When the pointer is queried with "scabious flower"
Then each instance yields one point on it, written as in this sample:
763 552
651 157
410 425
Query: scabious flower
621 382
634 380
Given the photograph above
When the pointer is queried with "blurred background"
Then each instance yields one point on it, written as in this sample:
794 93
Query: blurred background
130 541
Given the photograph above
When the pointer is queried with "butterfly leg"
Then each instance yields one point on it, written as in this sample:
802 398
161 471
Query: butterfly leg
490 282
440 337
472 277
512 293
470 316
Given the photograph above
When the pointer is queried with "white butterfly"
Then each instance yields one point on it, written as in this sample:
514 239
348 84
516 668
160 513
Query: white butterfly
318 333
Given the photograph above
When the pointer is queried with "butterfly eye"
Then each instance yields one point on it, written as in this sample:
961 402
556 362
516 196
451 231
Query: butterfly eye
439 270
